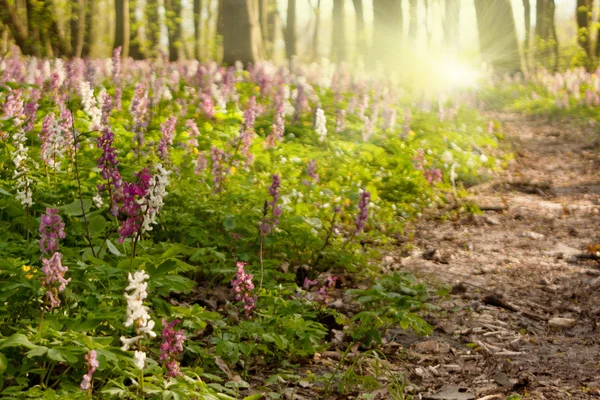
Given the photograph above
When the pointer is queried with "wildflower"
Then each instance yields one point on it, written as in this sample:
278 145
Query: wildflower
155 197
243 288
218 169
89 105
360 220
250 114
311 170
268 223
28 271
53 141
139 109
167 130
278 127
171 346
191 126
108 163
116 64
90 358
340 120
325 290
208 106
320 124
389 119
139 359
308 283
14 108
367 130
54 272
200 163
51 229
133 193
433 175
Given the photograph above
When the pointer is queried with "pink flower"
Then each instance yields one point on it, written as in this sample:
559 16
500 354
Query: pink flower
171 347
90 358
51 229
243 288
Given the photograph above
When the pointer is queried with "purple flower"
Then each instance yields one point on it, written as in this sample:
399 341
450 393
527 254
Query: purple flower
30 110
244 288
108 164
308 283
168 132
13 107
250 114
360 220
325 290
218 168
191 126
208 106
51 229
131 208
311 170
268 223
433 175
90 358
54 272
139 109
171 347
116 62
201 163
278 127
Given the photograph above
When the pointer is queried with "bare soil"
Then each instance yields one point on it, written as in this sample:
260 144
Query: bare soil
513 272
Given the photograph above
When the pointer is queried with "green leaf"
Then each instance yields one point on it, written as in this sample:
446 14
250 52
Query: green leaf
61 355
255 396
17 340
38 351
74 208
112 248
229 223
97 225
3 363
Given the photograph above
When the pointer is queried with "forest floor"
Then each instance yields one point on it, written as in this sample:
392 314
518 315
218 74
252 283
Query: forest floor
523 311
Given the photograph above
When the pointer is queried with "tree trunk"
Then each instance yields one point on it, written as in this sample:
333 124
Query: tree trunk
153 28
414 23
136 45
338 42
315 38
87 40
527 17
174 31
387 21
552 30
451 26
290 30
242 39
361 39
584 13
497 35
78 8
198 28
122 28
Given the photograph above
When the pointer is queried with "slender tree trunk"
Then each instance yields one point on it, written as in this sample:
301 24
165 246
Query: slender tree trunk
122 27
498 35
387 37
89 37
316 32
242 39
526 42
361 39
78 8
290 30
136 48
552 32
584 13
174 31
198 28
451 26
413 23
153 28
338 42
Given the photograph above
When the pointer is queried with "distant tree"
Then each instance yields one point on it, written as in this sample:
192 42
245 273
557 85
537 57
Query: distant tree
546 41
498 35
78 11
89 14
122 27
34 28
290 30
584 16
198 5
361 40
451 25
137 49
338 42
174 30
414 22
152 45
526 42
316 31
239 26
387 22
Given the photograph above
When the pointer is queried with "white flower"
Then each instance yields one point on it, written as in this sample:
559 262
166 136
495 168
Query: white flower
155 198
89 105
129 342
447 157
320 124
137 313
139 359
98 202
483 158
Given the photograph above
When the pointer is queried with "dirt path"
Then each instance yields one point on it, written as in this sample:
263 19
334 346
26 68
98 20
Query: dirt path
489 346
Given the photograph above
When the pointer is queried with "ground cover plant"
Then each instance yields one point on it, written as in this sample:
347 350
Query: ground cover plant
166 229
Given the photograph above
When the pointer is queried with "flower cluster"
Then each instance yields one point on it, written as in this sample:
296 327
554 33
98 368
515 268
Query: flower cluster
139 109
108 163
171 347
54 272
311 170
218 168
51 230
167 130
90 358
268 223
244 288
340 120
53 141
89 105
433 175
155 197
320 124
133 194
360 220
278 127
325 290
137 315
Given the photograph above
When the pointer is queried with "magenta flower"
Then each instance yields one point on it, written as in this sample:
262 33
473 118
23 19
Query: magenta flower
218 168
360 220
433 175
133 193
51 230
208 106
200 164
171 347
250 114
90 358
278 127
191 126
268 223
244 288
54 272
108 163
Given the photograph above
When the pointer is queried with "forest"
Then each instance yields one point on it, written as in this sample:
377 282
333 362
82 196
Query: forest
299 199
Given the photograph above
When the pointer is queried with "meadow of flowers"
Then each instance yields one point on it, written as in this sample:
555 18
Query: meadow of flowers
169 230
